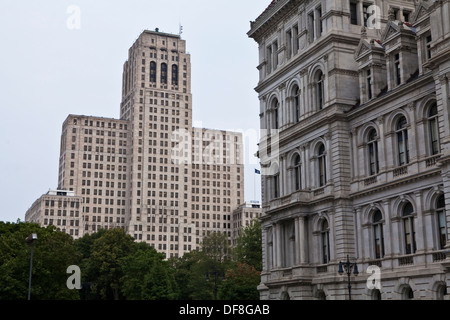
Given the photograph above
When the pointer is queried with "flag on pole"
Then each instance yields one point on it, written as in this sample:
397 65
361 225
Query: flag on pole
257 171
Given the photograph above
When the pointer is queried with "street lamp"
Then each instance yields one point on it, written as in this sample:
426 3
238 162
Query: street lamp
30 240
215 274
347 267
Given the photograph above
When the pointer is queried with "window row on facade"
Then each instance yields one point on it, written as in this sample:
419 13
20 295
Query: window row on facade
377 146
402 142
397 228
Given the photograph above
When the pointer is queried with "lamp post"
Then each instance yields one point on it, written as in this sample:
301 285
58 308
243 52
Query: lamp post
348 267
215 274
30 240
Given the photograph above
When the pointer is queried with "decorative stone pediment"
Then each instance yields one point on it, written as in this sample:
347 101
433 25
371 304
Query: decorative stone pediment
391 29
421 11
363 47
395 29
367 46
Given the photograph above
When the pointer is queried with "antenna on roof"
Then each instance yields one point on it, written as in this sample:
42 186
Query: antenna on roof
181 30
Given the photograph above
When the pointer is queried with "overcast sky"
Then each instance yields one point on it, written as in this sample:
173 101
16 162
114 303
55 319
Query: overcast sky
51 68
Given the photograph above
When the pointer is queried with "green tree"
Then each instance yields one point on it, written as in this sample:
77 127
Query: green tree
188 275
216 248
53 253
191 269
147 276
241 283
102 262
249 246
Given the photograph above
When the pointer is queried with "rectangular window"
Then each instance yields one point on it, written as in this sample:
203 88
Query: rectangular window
269 59
289 52
311 26
319 23
353 13
295 45
428 40
406 16
366 13
275 54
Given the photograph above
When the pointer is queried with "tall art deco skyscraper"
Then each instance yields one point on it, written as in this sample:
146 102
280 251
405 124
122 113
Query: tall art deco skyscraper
150 172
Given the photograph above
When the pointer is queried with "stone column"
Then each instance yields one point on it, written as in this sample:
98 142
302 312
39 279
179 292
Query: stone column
278 245
446 181
303 240
270 253
381 144
265 248
420 227
308 167
360 245
443 106
389 72
387 228
328 160
412 137
297 243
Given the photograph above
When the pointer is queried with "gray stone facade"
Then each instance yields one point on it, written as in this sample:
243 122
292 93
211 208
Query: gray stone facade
356 96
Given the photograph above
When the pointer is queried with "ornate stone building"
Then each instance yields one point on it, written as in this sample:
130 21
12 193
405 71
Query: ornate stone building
354 104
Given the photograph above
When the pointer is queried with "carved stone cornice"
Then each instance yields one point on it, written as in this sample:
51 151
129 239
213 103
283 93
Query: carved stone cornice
268 22
346 72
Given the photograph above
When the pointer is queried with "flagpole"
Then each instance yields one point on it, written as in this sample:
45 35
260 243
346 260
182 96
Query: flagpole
254 185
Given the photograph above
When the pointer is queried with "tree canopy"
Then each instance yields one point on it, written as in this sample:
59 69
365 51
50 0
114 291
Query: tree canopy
114 266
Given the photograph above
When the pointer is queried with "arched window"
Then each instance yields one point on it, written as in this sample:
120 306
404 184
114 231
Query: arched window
296 101
297 172
376 294
407 293
163 73
174 75
441 292
402 141
321 295
273 115
322 170
372 152
319 89
408 228
325 239
440 214
275 120
153 71
434 129
378 234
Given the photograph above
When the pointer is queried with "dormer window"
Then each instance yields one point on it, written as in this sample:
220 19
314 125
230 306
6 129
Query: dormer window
397 13
406 16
